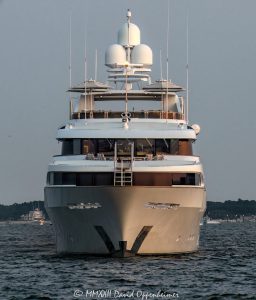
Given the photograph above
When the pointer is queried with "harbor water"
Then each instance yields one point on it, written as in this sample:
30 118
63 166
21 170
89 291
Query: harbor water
223 268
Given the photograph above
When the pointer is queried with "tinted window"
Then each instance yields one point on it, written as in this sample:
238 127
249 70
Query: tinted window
76 146
57 178
84 179
106 146
142 147
165 179
103 179
162 146
67 147
139 179
88 146
69 178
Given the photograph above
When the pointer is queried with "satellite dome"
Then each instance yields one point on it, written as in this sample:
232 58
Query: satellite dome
196 128
134 35
115 55
142 54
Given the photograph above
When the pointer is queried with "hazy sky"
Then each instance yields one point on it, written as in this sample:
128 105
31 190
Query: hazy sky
34 52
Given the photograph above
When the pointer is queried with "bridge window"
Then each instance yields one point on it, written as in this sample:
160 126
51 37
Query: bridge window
88 146
106 146
174 147
124 147
142 147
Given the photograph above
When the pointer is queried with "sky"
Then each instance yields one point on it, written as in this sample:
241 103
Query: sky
34 77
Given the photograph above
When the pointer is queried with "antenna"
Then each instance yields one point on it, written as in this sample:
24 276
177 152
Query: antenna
167 56
70 51
129 15
85 61
187 66
161 66
70 66
96 65
167 40
126 92
85 76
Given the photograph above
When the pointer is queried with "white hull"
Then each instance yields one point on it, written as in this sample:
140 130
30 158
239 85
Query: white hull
125 220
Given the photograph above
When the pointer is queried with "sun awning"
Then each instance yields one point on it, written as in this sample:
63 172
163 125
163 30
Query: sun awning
91 86
163 85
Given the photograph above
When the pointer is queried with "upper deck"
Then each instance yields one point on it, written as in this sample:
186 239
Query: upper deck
128 65
159 99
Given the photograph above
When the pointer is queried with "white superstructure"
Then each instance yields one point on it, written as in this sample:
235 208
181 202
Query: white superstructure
127 181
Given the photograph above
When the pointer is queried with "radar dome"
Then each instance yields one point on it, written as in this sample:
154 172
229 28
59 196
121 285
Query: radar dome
197 128
134 35
142 54
115 55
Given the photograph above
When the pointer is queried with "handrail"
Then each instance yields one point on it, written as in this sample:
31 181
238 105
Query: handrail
122 172
150 114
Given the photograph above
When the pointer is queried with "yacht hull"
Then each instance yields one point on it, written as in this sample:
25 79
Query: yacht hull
123 221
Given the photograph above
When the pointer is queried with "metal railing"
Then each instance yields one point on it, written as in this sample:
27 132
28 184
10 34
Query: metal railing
150 114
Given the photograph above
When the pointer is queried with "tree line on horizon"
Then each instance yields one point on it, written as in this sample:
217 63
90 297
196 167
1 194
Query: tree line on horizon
229 209
16 210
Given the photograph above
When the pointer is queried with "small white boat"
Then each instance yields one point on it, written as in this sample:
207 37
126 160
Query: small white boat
34 216
211 221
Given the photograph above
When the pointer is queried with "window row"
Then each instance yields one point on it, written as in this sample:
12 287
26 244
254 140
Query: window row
138 179
141 147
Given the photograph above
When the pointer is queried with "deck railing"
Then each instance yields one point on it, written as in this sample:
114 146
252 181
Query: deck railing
150 114
91 156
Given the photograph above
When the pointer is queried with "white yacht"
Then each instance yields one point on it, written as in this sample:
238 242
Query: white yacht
127 181
35 215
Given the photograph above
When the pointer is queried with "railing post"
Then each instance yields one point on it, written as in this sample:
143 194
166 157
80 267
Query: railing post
71 109
115 162
132 154
115 154
122 173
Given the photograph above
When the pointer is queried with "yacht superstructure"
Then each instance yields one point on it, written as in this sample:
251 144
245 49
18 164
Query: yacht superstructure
127 181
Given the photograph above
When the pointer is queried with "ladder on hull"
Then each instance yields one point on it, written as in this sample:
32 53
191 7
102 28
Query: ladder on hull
123 178
123 175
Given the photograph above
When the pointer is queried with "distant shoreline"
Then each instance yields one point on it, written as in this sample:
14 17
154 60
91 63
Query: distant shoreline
14 211
231 210
20 222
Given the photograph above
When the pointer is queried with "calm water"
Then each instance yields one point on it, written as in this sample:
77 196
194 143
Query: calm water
224 268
